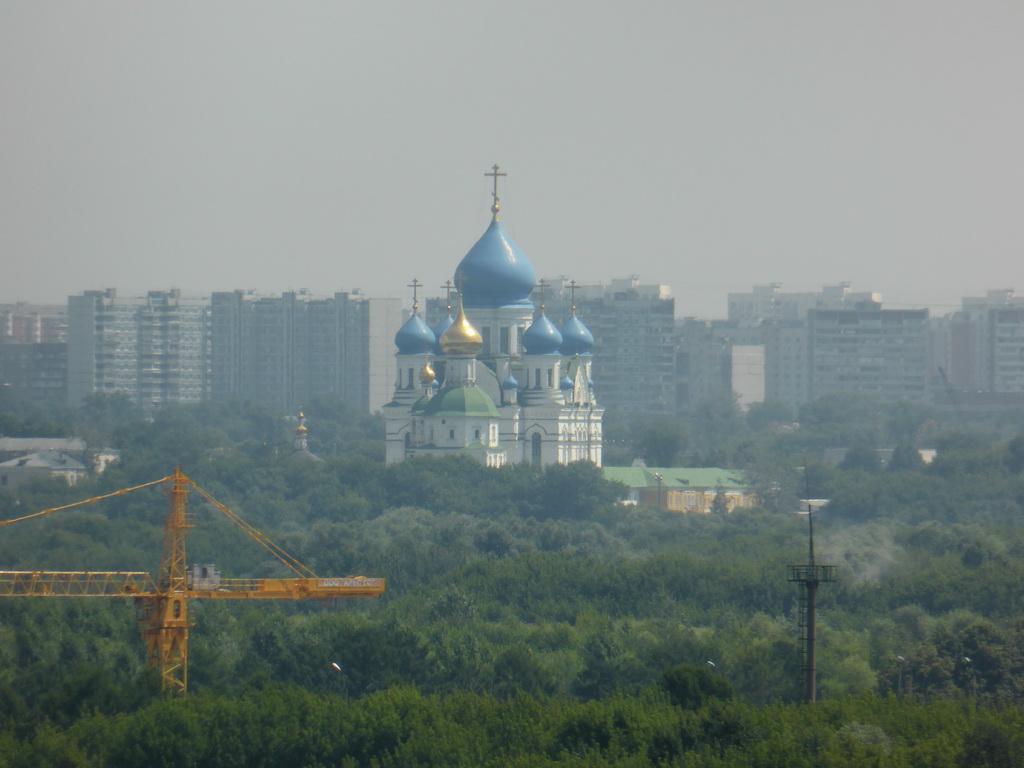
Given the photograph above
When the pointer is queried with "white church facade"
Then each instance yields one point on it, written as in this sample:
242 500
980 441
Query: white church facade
498 381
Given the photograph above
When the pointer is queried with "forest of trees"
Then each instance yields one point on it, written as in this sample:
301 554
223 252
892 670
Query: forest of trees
529 618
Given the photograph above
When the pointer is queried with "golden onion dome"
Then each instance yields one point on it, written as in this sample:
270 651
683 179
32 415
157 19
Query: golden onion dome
427 374
301 429
461 339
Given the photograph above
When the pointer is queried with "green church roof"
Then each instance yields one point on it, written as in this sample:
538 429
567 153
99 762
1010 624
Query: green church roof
461 401
676 478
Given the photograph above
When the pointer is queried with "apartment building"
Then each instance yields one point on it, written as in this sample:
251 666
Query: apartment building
284 349
153 348
879 352
634 339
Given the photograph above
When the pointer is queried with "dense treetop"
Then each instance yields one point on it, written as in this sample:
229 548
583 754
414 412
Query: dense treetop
531 596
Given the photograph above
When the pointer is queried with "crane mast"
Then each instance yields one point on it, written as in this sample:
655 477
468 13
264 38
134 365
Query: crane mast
163 605
163 617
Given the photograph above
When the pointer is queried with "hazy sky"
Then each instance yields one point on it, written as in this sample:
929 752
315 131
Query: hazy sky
708 145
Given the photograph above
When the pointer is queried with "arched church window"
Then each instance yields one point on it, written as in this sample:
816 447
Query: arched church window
535 448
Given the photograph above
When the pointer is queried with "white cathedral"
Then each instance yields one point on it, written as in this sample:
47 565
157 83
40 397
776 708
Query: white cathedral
496 382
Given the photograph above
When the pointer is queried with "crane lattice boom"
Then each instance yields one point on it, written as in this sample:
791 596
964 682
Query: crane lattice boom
163 604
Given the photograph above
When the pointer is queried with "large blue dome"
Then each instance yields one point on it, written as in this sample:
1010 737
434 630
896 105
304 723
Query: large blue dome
415 338
495 273
542 338
576 339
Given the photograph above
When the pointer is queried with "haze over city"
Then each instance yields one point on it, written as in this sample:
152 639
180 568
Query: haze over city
707 146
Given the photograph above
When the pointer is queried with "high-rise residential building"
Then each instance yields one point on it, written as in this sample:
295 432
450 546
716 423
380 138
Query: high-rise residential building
36 371
715 360
153 348
984 343
284 349
884 353
24 323
634 339
787 362
766 303
783 330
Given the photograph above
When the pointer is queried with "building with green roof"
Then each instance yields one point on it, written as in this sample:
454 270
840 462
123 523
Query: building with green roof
684 489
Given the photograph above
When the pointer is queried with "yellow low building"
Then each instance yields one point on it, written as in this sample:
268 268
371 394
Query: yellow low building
684 489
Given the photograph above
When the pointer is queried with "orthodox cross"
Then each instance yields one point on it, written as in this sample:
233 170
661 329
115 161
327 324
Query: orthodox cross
448 294
541 285
495 173
572 293
415 284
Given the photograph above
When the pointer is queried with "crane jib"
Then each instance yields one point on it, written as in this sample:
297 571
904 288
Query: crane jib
163 602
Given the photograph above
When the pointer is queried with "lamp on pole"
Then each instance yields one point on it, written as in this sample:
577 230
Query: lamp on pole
900 661
659 478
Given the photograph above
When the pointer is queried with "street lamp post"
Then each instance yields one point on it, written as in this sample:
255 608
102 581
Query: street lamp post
900 661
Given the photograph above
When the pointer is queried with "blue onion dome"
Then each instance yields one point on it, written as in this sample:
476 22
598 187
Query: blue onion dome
565 383
461 339
542 338
495 273
510 383
415 338
436 385
576 339
440 328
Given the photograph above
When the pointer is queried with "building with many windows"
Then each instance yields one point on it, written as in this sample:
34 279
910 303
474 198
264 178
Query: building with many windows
24 323
634 339
769 303
284 349
36 371
154 348
984 344
884 353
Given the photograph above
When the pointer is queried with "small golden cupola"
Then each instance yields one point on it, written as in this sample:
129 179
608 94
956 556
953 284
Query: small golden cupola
461 339
427 374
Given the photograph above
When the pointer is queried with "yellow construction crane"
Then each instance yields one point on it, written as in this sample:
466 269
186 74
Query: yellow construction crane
163 604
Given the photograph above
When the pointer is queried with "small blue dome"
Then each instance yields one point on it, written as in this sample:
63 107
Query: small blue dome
576 339
415 338
436 385
565 383
439 330
542 338
510 383
495 273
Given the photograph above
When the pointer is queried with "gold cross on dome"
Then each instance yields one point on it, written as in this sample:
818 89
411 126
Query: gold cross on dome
495 173
448 292
415 284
